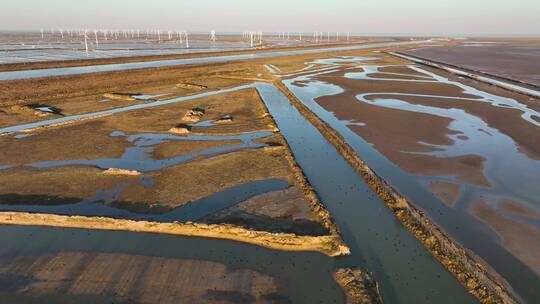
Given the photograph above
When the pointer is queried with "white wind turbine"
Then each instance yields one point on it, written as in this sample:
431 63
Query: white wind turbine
86 42
213 36
187 39
95 34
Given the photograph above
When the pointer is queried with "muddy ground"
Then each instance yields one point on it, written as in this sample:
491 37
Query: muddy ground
514 60
119 278
406 137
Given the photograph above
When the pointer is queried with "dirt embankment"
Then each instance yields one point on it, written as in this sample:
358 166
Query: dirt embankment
359 285
280 241
467 268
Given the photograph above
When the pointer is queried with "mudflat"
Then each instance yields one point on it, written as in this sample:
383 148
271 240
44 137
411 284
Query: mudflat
510 59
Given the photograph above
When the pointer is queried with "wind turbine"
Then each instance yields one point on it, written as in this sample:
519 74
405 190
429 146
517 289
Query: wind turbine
213 36
187 39
95 34
86 42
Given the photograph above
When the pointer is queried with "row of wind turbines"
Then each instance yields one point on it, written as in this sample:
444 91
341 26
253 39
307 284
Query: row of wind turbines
254 38
179 36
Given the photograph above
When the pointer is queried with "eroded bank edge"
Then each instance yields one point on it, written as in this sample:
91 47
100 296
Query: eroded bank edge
359 285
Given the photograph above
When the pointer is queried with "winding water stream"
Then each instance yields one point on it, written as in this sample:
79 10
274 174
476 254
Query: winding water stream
510 171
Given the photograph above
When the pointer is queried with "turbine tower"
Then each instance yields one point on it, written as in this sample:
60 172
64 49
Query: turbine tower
86 42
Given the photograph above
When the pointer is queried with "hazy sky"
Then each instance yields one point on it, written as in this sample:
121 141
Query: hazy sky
499 17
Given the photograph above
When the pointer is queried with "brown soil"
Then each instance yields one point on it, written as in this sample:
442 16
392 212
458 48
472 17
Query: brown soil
394 86
506 120
204 178
401 70
521 239
519 209
120 278
395 132
447 192
63 185
248 115
174 148
278 211
393 76
81 141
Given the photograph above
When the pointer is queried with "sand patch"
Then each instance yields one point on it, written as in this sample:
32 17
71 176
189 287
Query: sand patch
447 192
521 239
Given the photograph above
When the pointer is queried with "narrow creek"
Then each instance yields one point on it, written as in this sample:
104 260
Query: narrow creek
190 212
407 273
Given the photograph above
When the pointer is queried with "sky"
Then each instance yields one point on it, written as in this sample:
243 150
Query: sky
419 17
